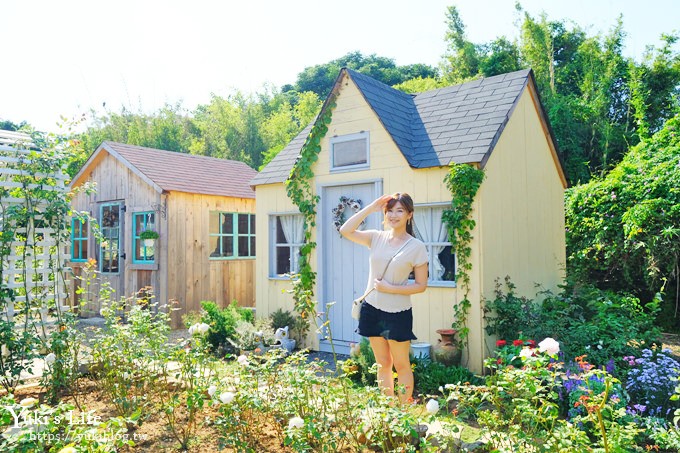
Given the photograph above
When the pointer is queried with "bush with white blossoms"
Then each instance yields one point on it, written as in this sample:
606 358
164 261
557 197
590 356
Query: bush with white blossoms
199 329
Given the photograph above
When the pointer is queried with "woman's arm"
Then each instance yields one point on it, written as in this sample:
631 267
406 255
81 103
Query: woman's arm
349 228
419 286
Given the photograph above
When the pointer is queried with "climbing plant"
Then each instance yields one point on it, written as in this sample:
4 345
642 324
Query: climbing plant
300 191
463 182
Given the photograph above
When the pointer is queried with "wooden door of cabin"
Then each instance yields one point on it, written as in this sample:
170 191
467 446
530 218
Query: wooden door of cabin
343 273
111 250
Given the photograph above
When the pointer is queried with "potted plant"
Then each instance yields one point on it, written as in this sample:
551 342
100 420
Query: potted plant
148 237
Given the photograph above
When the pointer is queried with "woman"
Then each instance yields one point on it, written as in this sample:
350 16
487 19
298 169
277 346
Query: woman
386 316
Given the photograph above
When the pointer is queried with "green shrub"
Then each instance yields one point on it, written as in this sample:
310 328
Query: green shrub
222 322
365 360
429 376
282 318
585 320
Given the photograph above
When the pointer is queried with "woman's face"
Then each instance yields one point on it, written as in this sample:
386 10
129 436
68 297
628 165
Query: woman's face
397 216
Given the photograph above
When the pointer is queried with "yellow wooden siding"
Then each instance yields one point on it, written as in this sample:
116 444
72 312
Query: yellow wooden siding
519 214
433 309
521 208
194 277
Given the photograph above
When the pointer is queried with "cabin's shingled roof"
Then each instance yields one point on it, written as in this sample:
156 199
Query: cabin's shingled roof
460 123
175 171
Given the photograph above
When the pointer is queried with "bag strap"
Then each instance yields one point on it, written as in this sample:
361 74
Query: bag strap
394 256
387 265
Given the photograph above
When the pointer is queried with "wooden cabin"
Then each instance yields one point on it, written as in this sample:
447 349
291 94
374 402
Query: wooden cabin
202 208
380 141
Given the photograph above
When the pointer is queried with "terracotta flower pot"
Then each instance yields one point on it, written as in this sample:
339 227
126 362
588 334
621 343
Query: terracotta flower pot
446 351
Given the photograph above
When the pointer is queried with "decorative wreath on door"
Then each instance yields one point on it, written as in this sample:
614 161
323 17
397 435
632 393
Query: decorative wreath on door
339 210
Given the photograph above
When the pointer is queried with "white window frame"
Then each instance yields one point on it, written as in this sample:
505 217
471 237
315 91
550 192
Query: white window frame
430 252
273 245
347 138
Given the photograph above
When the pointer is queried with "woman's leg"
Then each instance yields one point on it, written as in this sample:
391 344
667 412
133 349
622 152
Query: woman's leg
402 364
383 357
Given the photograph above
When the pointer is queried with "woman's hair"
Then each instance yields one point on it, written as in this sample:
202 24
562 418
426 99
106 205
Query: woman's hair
407 202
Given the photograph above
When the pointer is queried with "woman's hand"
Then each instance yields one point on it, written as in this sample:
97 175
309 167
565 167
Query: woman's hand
382 286
350 228
378 205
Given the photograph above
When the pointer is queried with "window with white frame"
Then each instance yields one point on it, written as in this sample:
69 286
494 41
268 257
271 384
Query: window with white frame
349 151
232 235
287 236
430 229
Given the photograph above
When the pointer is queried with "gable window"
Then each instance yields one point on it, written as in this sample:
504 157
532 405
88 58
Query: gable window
143 252
78 240
349 151
232 235
430 229
287 236
109 249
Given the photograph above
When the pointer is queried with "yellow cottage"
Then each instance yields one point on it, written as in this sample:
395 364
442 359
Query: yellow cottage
202 209
381 141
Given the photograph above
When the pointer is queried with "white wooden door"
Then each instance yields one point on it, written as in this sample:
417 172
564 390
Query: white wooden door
343 270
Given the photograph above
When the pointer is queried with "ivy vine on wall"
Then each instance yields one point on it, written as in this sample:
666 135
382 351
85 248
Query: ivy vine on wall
300 191
463 181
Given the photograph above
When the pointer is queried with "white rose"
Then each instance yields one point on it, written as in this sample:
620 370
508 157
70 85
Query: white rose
227 397
27 402
211 390
198 329
432 407
242 360
50 358
550 346
296 422
526 353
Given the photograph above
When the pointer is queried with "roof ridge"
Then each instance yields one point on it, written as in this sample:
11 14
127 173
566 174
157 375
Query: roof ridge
174 153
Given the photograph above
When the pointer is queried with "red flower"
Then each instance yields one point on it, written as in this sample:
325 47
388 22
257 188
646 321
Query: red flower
501 343
531 343
518 343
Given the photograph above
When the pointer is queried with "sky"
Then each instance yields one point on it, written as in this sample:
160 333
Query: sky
69 57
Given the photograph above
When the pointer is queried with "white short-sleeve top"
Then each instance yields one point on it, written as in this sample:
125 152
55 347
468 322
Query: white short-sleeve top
412 255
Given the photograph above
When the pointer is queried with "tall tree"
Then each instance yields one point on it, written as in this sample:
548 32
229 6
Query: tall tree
319 78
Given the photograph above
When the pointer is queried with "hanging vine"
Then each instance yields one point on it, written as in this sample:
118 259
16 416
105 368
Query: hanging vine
463 181
300 191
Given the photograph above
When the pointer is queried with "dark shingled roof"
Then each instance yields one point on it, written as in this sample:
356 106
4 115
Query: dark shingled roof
460 123
174 171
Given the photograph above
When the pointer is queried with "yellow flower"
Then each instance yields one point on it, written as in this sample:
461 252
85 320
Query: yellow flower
68 449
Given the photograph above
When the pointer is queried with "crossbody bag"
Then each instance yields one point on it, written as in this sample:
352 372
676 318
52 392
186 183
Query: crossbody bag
357 303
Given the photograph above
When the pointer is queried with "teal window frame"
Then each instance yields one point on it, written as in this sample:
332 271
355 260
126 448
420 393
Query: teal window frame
237 239
77 237
105 230
148 221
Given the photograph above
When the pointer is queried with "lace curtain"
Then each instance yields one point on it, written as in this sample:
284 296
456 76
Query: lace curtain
293 230
429 228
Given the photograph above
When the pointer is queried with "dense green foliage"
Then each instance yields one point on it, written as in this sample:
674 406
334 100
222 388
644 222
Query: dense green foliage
623 229
319 78
585 320
431 377
222 322
598 101
250 129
